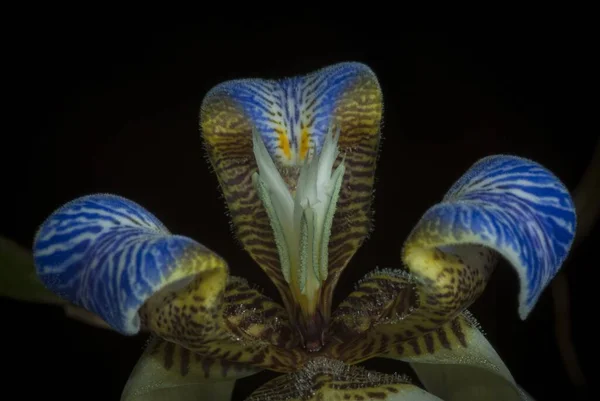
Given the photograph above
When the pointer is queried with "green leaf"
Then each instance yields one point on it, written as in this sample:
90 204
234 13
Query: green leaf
18 279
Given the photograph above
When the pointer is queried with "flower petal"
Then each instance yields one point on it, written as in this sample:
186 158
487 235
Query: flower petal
327 379
509 205
168 371
252 316
109 256
382 296
292 116
456 362
503 205
112 257
247 328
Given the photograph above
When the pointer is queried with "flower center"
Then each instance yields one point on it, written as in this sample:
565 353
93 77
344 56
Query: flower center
301 220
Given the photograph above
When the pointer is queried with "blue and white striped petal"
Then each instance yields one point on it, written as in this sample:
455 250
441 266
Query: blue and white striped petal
293 115
510 205
108 255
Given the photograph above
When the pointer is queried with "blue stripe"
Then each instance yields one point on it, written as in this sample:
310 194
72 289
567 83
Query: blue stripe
95 263
519 204
326 86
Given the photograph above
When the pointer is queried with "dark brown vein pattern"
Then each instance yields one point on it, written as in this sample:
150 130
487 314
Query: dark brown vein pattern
325 379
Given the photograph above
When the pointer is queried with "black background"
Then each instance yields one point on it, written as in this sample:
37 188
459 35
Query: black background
113 107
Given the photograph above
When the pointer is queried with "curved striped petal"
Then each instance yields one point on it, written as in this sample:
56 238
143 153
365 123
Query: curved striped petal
167 371
325 379
292 118
110 256
503 205
383 296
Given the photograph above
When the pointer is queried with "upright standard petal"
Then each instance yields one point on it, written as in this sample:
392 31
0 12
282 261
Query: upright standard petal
110 256
276 128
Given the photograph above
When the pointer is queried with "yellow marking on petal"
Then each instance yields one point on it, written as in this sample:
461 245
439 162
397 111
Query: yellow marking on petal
304 143
284 144
221 317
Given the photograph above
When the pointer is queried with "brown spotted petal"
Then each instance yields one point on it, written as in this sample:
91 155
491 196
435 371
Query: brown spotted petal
389 308
383 296
167 371
456 362
115 259
236 324
252 316
327 379
292 118
502 206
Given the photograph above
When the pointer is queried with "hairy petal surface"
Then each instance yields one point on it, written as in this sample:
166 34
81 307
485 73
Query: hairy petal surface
293 116
512 206
109 255
326 379
503 206
18 278
235 331
167 371
112 257
456 362
382 296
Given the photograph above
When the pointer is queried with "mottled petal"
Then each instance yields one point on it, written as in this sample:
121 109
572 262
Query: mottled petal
109 255
510 205
327 379
456 362
382 296
292 117
503 205
167 371
373 318
254 317
112 257
247 328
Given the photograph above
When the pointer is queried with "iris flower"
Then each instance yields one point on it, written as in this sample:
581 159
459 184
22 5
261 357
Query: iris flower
295 159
